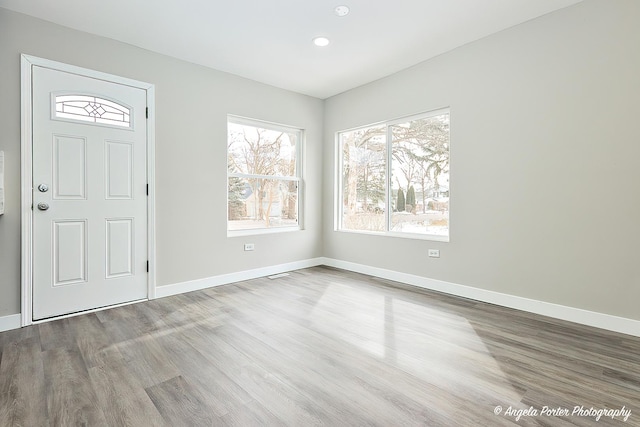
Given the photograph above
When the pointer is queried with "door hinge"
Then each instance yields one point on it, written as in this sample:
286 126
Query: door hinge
147 266
147 189
146 112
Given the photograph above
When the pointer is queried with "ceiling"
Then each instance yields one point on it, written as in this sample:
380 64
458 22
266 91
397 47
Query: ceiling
270 41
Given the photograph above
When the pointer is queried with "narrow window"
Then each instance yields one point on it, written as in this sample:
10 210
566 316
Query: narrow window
263 176
364 153
395 177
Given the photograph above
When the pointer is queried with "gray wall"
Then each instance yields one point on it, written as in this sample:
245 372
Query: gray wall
545 160
192 104
545 147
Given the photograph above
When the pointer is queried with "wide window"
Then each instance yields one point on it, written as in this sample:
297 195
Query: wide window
92 109
263 178
395 177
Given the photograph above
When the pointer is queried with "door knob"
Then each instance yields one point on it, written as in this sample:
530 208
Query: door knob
43 188
43 206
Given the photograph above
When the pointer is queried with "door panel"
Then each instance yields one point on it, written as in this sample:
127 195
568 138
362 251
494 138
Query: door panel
89 149
120 247
119 157
69 167
69 252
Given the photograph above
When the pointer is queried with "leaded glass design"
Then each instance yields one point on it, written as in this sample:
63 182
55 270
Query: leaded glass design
93 109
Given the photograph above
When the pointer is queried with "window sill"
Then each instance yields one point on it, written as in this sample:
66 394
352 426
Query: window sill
413 236
257 231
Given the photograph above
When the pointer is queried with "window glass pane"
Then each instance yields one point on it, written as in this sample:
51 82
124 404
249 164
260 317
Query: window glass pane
92 109
263 175
420 176
363 180
262 203
260 151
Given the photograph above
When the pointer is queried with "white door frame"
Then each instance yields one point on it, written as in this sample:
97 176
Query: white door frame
26 149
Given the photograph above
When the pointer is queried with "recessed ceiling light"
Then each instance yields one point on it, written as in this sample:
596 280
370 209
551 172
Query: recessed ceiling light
341 10
321 41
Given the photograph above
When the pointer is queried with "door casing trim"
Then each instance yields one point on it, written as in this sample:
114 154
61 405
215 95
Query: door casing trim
26 156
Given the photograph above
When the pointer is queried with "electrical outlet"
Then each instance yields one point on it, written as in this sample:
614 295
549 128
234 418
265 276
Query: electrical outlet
434 253
249 246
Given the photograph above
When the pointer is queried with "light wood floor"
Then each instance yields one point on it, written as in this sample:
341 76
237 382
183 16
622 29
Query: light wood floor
319 347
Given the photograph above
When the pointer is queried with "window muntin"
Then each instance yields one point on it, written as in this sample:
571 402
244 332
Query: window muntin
92 109
263 176
414 154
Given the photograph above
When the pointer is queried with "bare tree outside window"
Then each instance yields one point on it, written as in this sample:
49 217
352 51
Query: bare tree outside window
364 175
263 175
414 154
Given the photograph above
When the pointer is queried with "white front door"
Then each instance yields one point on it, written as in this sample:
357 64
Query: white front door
89 193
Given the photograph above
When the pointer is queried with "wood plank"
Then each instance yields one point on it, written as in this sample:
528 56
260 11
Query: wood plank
17 335
147 360
70 397
56 334
222 393
119 391
91 338
181 404
250 414
22 388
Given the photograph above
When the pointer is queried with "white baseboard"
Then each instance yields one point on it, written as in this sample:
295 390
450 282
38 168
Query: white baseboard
224 279
576 315
10 322
571 314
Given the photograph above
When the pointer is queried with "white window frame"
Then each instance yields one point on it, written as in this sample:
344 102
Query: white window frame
245 121
338 190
